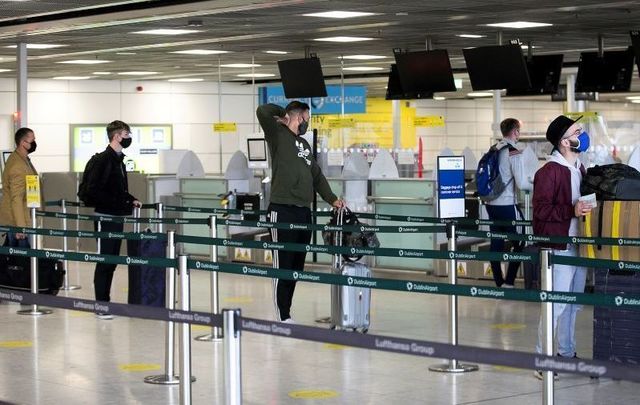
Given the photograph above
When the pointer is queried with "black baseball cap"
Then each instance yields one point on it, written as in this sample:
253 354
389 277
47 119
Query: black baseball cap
558 127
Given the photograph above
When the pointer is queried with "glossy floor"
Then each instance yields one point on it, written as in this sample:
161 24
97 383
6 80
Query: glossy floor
71 357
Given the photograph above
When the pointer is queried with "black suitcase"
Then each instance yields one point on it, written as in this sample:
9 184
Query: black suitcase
147 284
15 273
531 269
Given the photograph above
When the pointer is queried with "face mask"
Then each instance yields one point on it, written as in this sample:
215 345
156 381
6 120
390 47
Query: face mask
32 147
302 128
125 142
582 145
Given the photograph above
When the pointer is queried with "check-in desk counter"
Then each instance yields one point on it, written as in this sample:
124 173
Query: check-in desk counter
337 186
204 193
406 197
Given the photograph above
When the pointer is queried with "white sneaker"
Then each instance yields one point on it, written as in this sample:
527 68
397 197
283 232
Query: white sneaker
505 285
289 320
104 315
540 376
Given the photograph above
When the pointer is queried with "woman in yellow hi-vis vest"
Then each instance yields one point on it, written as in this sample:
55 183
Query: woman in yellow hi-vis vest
13 207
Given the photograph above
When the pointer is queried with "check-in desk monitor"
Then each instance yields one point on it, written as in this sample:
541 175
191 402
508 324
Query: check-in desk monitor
257 153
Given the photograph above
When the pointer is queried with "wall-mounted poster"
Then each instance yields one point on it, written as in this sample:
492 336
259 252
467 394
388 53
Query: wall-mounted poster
141 156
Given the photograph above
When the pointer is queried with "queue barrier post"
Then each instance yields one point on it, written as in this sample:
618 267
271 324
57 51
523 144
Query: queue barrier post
169 377
216 334
160 215
232 360
546 281
453 366
185 333
34 272
65 248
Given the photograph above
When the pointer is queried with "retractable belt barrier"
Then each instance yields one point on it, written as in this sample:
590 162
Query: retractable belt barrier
86 234
627 302
58 203
362 215
365 341
126 220
577 240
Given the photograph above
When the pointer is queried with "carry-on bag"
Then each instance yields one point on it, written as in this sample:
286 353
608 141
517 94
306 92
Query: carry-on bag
15 274
147 284
350 306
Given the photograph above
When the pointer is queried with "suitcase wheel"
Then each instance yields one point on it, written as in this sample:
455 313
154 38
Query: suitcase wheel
332 327
365 330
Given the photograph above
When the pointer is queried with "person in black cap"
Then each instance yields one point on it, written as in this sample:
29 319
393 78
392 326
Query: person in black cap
556 209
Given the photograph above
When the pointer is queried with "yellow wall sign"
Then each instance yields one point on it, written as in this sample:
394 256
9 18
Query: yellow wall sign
33 191
225 127
347 122
429 121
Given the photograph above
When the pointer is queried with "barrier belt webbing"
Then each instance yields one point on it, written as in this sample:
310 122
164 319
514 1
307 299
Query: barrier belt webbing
126 220
89 257
550 239
420 287
628 301
86 234
355 251
58 203
336 228
412 347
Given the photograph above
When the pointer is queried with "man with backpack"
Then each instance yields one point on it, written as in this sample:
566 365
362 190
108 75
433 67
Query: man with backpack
104 186
500 175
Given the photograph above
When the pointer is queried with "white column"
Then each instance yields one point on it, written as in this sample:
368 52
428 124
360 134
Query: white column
571 93
22 85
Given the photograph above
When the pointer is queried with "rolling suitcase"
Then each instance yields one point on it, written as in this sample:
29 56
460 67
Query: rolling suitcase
350 306
147 284
531 269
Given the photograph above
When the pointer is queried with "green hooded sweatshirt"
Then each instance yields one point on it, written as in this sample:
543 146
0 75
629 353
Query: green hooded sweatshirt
295 173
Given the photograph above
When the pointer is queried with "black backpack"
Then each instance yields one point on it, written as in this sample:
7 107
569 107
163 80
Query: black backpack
612 182
87 186
362 239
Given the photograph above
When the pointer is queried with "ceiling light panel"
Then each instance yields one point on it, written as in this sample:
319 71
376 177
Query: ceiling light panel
520 24
186 80
364 57
473 36
71 77
137 73
166 31
343 39
240 65
200 52
339 14
39 46
363 68
277 52
256 75
85 61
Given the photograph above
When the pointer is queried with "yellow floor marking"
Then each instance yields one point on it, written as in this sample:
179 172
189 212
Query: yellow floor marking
313 394
509 326
201 328
333 346
15 344
139 367
507 369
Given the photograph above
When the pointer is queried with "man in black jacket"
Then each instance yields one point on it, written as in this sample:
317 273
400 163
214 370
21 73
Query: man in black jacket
111 191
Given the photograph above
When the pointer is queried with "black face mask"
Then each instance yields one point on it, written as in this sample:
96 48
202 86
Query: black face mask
302 128
125 142
32 147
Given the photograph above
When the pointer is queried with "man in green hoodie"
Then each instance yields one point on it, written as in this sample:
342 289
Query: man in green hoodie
295 178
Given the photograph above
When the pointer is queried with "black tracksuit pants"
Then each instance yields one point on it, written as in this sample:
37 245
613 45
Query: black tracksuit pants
103 275
283 289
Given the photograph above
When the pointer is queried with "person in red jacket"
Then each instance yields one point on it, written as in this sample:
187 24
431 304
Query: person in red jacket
556 209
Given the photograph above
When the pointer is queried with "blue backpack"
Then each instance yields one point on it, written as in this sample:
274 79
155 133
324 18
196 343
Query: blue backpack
488 178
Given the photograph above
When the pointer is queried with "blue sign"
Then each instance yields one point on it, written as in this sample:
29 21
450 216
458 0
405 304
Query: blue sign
355 99
451 188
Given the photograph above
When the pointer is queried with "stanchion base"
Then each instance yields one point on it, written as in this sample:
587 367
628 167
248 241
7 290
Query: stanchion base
37 312
165 379
326 319
209 338
162 379
446 368
70 288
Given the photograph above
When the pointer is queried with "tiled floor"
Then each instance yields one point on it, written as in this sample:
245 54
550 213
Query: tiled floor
71 357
